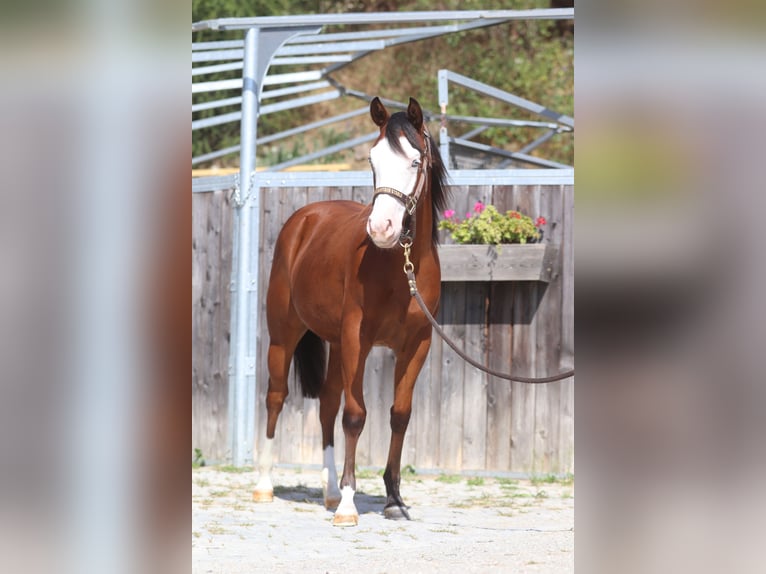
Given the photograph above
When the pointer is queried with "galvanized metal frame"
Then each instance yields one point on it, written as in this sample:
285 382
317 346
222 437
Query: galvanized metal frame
561 123
296 41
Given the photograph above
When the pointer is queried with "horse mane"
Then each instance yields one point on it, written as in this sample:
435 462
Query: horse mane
399 124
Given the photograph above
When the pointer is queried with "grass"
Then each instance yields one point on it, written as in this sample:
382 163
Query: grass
565 480
476 481
219 493
235 469
448 478
217 529
446 530
367 473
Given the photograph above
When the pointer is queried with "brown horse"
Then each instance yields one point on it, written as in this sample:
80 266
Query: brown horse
337 277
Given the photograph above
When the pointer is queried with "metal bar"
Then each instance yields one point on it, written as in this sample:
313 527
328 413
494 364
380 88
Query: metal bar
199 70
281 135
450 29
214 55
307 76
504 122
217 85
326 151
298 102
509 98
539 141
295 90
216 104
474 132
416 34
458 177
529 147
382 18
260 47
239 435
509 154
215 154
216 120
331 47
311 126
217 45
213 183
300 60
389 33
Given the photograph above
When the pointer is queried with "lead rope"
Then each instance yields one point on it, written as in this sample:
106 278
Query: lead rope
409 271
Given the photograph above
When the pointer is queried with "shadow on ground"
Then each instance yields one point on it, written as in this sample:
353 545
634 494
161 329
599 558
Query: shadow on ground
365 503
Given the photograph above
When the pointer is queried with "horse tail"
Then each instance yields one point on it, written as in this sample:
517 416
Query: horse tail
309 361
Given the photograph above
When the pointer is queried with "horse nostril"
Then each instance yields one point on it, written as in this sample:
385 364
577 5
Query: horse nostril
389 224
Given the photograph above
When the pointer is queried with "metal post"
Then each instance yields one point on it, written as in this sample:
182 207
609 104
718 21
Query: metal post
443 101
241 419
260 47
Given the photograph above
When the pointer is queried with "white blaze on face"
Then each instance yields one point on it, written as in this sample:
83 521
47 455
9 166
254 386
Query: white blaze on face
396 171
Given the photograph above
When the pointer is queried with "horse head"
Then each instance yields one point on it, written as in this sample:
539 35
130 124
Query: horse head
400 159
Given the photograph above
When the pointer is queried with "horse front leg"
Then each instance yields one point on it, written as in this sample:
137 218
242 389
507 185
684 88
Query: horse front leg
354 353
408 365
329 403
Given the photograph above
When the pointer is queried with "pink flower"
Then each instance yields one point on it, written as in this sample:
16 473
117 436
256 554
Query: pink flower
449 213
468 214
478 207
540 221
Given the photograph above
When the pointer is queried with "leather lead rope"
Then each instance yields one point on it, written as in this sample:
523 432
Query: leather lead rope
409 271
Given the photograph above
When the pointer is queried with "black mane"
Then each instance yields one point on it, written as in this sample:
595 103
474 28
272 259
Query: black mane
398 125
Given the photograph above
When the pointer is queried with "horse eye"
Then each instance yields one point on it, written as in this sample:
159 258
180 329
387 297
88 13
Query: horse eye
416 163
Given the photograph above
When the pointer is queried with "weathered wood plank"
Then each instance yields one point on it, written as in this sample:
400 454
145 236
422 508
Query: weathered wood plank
474 380
451 408
548 319
489 263
425 423
499 358
211 268
523 352
566 405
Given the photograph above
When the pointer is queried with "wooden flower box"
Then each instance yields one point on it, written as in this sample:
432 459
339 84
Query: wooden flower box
528 262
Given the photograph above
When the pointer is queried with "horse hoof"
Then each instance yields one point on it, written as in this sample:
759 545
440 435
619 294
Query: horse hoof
395 512
345 519
263 495
331 503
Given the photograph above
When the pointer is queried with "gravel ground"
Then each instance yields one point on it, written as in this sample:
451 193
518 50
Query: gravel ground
459 524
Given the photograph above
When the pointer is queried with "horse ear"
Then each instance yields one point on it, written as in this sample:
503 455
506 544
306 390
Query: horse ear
415 114
378 112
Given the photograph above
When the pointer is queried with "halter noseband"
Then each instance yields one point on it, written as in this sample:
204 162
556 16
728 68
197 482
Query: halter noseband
410 202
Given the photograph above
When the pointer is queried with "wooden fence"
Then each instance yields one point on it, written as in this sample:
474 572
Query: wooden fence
462 419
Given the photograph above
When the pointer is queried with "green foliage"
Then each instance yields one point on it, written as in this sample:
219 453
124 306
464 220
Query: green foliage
198 459
448 478
488 226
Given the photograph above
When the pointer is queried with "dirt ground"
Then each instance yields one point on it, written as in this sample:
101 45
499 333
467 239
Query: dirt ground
459 524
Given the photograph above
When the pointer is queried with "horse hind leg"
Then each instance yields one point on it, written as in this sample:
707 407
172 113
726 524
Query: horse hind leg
279 357
329 404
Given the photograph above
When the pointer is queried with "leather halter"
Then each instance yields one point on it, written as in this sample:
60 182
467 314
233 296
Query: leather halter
410 202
